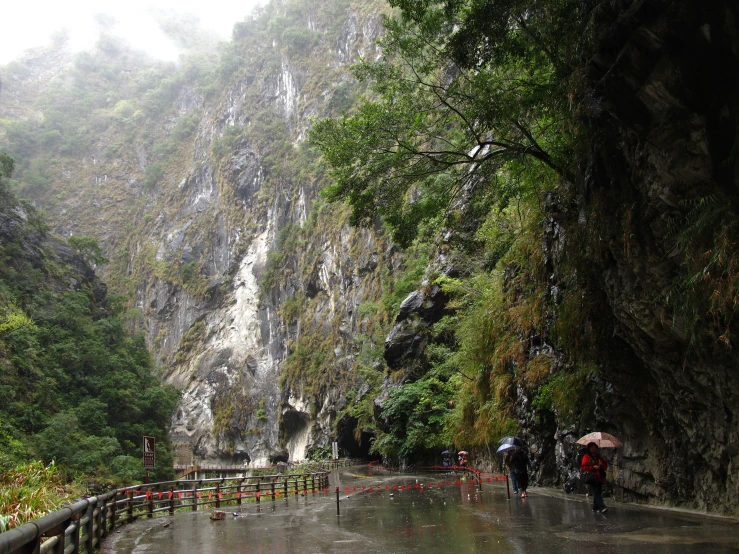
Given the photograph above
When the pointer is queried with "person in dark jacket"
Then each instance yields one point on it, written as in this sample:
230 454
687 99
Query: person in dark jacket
594 468
520 462
511 473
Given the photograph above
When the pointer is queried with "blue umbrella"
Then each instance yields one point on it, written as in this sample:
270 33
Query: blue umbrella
505 448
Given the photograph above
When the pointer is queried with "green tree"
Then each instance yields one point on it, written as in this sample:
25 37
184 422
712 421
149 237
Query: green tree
463 90
6 165
89 249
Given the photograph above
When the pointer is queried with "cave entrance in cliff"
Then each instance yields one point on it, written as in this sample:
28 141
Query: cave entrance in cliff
346 436
295 432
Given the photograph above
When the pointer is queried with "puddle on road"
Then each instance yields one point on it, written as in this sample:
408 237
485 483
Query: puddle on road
451 519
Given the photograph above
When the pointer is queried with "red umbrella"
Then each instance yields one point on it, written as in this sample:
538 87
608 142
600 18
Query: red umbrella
463 452
603 440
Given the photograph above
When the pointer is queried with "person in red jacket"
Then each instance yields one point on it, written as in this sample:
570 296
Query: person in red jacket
594 474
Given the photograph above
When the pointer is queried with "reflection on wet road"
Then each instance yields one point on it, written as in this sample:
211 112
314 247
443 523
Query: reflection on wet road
451 519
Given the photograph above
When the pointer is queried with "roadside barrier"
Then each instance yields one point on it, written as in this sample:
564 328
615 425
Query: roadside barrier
81 526
198 470
377 464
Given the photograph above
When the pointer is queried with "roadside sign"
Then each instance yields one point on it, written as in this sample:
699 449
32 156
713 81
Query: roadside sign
149 447
335 450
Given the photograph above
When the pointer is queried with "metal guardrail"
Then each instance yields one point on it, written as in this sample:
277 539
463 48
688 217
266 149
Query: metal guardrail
184 471
76 528
81 526
476 475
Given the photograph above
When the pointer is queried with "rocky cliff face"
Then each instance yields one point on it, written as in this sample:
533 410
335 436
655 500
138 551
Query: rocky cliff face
662 118
192 188
225 347
655 174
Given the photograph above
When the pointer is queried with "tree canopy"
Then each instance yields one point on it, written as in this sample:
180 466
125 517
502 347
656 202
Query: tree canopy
463 90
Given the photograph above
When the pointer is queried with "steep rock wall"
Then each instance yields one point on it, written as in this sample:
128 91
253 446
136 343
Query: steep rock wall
662 119
190 177
660 113
225 348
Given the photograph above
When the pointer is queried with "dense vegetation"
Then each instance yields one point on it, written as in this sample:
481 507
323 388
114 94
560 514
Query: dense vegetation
473 121
469 125
79 391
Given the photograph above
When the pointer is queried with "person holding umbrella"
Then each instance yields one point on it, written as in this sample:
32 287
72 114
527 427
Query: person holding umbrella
447 458
511 445
511 470
463 458
520 461
594 466
594 474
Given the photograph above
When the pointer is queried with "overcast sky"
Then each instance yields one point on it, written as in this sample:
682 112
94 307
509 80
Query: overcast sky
30 23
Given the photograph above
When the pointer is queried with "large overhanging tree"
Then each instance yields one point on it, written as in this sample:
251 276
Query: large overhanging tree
464 92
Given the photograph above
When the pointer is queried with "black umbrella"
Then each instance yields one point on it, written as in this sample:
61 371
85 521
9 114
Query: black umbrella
446 453
515 441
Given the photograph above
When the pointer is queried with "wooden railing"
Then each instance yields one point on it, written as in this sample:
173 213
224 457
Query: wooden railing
81 526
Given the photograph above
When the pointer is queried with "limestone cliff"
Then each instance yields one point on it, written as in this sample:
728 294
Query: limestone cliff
191 189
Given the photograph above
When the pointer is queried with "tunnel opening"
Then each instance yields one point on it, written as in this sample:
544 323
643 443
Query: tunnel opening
295 429
346 437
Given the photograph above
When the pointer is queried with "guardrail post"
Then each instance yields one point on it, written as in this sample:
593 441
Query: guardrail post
61 543
89 514
96 522
149 504
218 495
113 510
33 547
129 507
337 501
257 495
103 527
195 497
273 490
171 500
286 495
75 536
238 493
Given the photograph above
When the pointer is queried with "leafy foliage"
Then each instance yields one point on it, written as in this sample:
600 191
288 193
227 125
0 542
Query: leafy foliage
449 110
89 249
416 415
78 389
31 490
469 123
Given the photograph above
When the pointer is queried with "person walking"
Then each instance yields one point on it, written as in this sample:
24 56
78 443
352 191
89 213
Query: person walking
594 474
511 472
520 461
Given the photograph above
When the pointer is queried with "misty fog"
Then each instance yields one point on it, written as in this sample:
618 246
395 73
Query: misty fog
29 25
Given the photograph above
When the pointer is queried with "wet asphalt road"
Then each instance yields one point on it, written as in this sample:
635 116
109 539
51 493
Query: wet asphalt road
451 519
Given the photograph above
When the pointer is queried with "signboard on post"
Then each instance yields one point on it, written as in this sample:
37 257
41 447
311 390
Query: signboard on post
149 447
335 450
